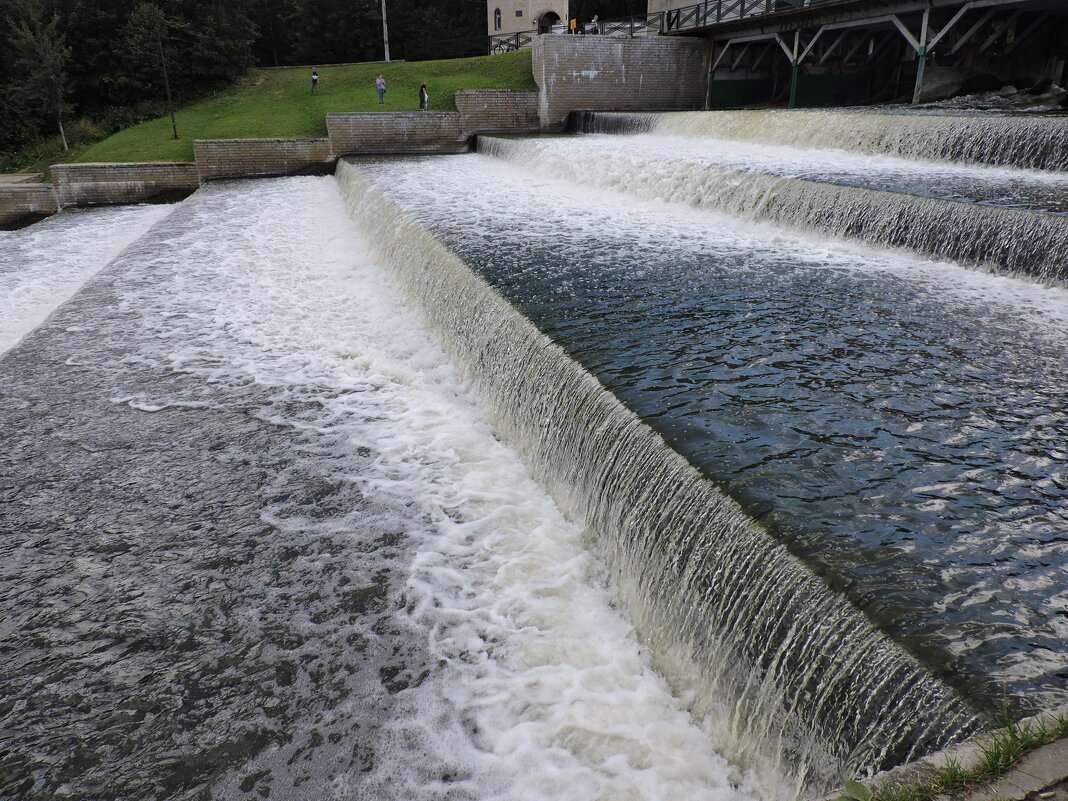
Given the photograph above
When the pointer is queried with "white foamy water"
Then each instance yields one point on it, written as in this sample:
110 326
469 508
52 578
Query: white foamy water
556 204
952 136
799 162
541 690
589 258
44 265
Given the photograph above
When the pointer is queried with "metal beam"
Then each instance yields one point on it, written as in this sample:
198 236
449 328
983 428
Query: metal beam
738 58
856 46
836 13
834 45
763 54
921 57
963 10
811 44
979 23
760 37
890 37
1030 29
999 29
907 33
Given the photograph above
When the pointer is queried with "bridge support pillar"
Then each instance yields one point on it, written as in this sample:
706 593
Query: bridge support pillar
793 70
921 57
921 66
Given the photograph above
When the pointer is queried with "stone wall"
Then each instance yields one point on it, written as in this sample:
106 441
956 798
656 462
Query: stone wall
593 73
257 158
21 201
109 184
600 73
498 111
372 133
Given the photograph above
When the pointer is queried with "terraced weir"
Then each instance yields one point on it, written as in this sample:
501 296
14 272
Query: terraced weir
675 460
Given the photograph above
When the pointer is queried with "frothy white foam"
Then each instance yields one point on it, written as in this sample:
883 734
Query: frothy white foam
44 265
541 689
533 185
803 162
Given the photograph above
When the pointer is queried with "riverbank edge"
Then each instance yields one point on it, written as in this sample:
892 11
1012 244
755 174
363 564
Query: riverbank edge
1038 770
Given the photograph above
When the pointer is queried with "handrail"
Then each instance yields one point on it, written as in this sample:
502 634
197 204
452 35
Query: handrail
505 42
699 15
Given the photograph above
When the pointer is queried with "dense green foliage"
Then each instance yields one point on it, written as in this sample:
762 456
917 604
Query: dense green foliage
95 59
89 68
279 102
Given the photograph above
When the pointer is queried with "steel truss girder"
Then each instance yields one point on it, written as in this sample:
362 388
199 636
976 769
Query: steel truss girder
999 29
759 37
1030 29
768 24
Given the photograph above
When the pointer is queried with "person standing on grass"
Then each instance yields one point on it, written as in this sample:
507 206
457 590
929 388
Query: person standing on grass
380 82
424 98
315 81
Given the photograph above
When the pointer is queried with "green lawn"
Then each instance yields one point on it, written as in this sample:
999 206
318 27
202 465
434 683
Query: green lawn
278 102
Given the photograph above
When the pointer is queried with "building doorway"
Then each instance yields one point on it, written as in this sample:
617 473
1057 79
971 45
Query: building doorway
547 21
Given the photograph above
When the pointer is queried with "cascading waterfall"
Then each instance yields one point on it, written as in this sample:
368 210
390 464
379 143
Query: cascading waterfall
810 681
1006 240
1033 143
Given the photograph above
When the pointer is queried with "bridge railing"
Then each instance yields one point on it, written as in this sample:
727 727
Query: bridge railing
506 42
639 25
700 15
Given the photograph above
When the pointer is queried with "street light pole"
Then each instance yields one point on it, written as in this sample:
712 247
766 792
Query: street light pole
167 80
385 32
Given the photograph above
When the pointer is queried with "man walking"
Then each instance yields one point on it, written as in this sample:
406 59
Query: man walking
315 81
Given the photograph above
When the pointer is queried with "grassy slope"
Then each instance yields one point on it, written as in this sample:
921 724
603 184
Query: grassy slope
278 102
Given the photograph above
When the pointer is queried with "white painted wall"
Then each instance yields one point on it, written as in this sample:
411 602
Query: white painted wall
527 21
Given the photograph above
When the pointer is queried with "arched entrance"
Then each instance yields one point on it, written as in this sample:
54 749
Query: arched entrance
547 20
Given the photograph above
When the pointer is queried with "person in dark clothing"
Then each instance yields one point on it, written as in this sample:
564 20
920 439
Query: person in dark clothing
424 98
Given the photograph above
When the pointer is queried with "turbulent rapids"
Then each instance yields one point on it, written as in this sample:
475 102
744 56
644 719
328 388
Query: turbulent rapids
655 462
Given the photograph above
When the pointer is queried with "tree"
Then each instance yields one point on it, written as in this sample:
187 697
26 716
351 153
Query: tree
41 60
145 32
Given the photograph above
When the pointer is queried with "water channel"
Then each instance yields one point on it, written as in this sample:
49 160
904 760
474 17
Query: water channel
531 473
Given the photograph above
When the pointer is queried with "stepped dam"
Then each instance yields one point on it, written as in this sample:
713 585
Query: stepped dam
697 455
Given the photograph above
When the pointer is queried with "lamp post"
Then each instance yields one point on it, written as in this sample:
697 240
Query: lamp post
167 80
385 32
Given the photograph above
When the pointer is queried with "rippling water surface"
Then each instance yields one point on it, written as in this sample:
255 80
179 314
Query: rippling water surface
43 265
1037 190
258 542
899 423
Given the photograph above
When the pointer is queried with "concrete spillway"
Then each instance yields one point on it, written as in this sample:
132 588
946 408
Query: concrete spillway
652 466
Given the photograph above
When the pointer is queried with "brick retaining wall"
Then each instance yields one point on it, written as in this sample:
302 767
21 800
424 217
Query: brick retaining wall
254 158
19 201
498 111
382 133
601 73
572 73
107 184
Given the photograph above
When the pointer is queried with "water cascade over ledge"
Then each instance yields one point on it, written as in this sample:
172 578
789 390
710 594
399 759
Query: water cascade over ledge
1004 240
1039 143
810 681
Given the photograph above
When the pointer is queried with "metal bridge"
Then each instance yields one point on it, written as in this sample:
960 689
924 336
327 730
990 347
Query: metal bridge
841 35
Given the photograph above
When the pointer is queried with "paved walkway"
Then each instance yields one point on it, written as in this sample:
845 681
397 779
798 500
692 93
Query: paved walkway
20 178
1042 775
